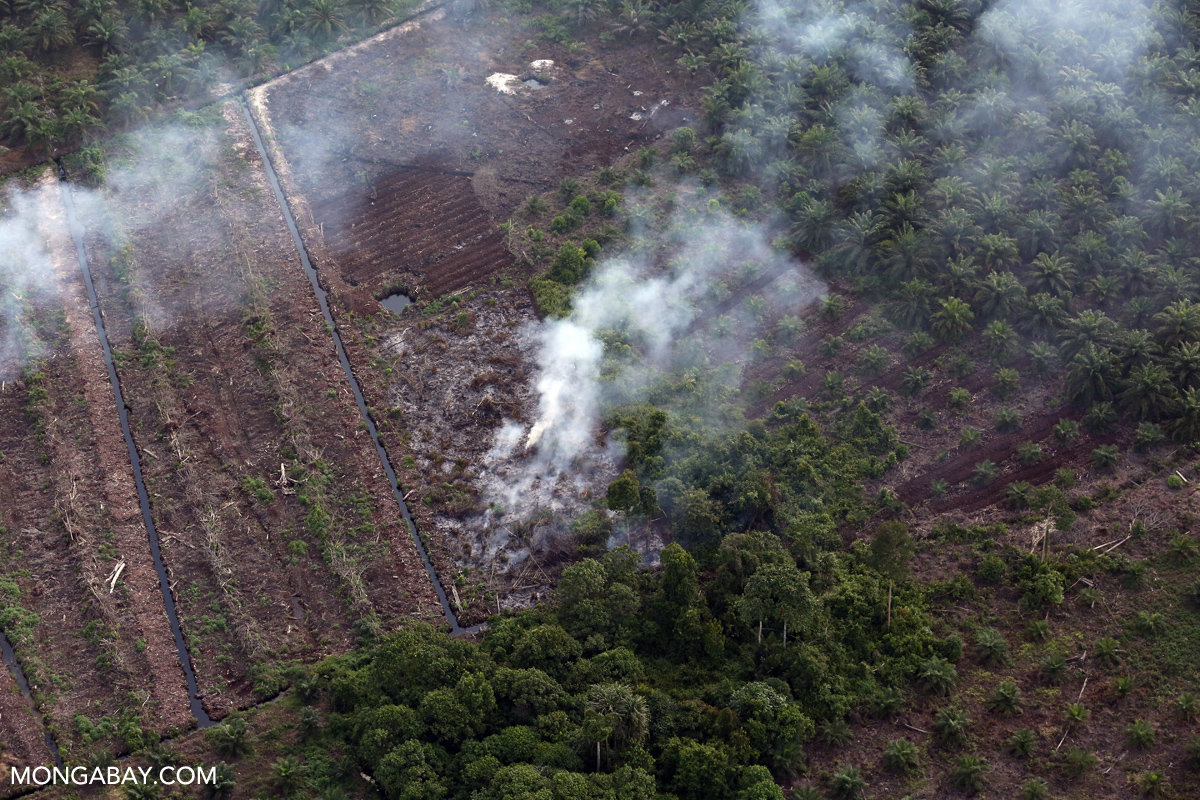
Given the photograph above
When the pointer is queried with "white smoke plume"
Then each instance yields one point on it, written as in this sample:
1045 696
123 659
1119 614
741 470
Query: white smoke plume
655 314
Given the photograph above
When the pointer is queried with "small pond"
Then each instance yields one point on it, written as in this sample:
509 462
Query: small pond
396 302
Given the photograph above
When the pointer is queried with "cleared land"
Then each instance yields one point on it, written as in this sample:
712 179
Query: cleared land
400 178
277 524
89 647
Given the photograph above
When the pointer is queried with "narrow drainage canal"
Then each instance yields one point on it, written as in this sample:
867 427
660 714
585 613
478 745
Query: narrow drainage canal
9 656
321 294
164 583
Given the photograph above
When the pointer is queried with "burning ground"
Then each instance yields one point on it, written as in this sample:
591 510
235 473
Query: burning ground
384 210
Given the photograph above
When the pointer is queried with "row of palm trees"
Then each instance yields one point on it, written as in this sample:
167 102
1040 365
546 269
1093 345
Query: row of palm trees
150 51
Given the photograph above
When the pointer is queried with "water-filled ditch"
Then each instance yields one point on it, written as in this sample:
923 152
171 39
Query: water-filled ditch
9 656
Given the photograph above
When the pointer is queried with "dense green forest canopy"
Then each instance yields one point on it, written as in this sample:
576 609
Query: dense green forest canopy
703 679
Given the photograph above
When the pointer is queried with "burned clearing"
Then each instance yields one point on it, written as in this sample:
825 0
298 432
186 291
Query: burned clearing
276 525
81 599
428 222
401 160
400 178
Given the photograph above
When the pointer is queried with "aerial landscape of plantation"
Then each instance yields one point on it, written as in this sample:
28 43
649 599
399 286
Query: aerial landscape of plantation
600 399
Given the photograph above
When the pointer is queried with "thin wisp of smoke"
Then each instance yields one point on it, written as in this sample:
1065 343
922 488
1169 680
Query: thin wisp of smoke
26 273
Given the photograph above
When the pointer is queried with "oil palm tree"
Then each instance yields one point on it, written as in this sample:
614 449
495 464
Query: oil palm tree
81 94
21 119
1084 208
1093 375
325 18
957 230
107 34
74 122
633 19
813 225
51 30
911 305
1185 426
998 251
1000 295
960 277
1138 348
1042 358
1184 363
373 12
907 253
854 241
1090 327
1179 323
952 320
953 192
1125 233
996 212
1148 392
1170 212
1051 273
1073 144
1104 289
196 22
1000 339
241 33
1043 314
905 208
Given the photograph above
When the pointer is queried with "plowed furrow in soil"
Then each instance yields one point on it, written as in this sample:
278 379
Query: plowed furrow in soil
1000 451
452 226
420 222
471 268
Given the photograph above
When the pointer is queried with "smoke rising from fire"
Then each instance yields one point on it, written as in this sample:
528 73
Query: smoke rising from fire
640 317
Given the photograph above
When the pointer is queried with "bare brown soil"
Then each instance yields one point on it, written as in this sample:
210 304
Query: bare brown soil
403 178
449 240
88 646
23 742
235 391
